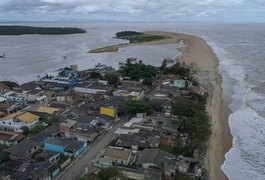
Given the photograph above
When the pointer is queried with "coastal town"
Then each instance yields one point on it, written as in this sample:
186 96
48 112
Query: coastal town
137 122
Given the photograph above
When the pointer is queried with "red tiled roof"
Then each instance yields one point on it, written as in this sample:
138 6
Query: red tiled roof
3 87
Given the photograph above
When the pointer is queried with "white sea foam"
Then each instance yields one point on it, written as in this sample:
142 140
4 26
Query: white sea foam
245 160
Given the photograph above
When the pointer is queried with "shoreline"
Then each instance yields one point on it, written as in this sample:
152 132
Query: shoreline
200 56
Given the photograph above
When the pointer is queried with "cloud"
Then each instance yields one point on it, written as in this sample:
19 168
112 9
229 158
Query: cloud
137 10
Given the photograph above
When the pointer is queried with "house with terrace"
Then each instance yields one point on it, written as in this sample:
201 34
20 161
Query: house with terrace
17 121
3 87
115 156
67 147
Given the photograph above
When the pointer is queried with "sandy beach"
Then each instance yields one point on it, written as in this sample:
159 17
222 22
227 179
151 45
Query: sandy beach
199 55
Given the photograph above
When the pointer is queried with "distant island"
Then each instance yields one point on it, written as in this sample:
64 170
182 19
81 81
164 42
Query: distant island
138 37
21 30
134 38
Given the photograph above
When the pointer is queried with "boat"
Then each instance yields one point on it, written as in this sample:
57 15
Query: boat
3 56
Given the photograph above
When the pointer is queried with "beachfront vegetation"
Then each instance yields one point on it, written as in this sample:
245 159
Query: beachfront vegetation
112 79
109 173
20 30
94 74
141 106
10 84
193 119
177 68
139 70
137 37
127 33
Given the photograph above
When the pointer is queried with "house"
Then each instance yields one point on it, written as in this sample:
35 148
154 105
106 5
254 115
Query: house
155 158
67 147
151 158
79 131
181 84
24 150
8 107
115 155
35 96
60 83
93 89
10 138
47 110
132 141
66 126
12 96
16 121
141 174
109 111
3 100
67 72
36 170
49 156
3 87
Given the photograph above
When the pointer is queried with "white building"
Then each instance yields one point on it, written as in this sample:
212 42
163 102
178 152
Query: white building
16 121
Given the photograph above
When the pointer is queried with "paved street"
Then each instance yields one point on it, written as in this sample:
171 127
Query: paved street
73 172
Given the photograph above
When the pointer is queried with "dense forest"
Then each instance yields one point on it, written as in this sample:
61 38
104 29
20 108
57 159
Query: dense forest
20 30
138 37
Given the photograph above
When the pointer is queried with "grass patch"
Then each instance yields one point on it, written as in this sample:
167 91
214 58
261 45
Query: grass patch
113 142
176 150
141 38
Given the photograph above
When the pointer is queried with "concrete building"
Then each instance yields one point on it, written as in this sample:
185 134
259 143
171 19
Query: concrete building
16 121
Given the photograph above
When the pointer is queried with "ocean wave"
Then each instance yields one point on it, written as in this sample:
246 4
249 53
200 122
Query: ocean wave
245 160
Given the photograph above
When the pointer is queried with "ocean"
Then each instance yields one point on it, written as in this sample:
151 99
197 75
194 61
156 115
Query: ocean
240 49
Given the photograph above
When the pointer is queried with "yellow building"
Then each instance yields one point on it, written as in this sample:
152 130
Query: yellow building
47 110
109 111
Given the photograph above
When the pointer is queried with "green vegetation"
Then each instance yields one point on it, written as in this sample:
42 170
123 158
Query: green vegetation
176 150
112 79
137 37
141 106
139 70
109 173
10 84
148 81
127 33
182 176
95 74
178 69
193 119
4 156
20 30
35 130
40 159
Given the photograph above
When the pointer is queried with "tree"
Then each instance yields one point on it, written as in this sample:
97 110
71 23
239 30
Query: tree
108 173
95 74
112 79
142 106
10 84
36 129
163 65
26 130
139 71
148 81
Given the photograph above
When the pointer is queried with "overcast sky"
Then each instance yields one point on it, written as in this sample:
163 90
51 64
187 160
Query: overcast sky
134 10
